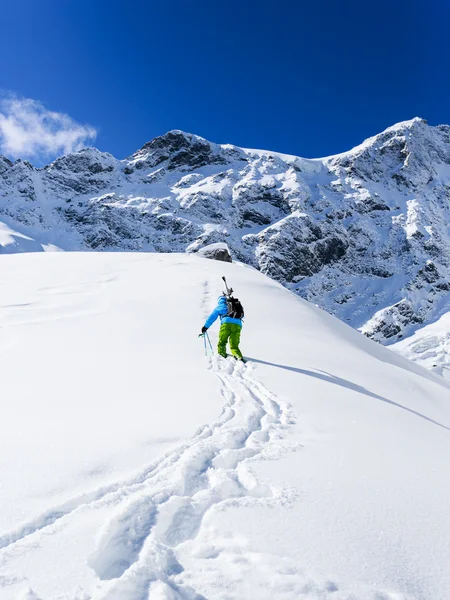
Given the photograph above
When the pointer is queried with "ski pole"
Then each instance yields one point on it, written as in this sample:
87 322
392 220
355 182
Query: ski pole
209 341
202 335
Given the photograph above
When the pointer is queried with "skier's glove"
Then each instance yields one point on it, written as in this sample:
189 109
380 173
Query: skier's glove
204 329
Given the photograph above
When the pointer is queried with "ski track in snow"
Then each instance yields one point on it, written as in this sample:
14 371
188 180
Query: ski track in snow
164 506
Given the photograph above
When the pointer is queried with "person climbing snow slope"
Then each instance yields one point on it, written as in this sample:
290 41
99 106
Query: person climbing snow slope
230 325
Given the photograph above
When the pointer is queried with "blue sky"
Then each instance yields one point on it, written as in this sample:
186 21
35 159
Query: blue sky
307 78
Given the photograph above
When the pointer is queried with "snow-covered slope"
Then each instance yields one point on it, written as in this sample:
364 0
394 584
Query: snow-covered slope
429 346
132 467
363 234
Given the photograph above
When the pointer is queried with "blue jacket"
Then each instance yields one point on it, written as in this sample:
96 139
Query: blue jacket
221 311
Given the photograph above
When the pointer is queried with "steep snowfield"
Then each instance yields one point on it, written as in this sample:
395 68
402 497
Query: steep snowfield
134 468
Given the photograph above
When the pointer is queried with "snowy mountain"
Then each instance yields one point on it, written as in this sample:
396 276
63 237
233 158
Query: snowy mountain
364 234
132 467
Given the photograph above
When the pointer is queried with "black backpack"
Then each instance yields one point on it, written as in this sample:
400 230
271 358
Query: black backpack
235 308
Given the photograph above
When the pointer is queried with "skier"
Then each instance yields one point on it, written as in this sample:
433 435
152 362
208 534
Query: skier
230 311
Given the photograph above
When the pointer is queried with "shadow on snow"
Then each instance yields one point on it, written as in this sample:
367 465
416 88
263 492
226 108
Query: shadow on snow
329 378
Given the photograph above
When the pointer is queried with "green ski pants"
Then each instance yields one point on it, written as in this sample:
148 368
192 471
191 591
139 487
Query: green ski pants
232 333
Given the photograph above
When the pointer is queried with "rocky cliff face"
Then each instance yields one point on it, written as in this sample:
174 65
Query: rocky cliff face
364 234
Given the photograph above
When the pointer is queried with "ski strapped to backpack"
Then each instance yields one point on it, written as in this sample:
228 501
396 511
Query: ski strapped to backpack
234 306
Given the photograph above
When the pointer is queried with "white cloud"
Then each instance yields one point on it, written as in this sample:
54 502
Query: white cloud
29 130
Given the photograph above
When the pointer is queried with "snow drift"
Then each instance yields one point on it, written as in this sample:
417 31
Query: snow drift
132 467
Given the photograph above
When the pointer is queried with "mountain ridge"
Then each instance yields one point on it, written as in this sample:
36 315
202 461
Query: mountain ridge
169 135
362 233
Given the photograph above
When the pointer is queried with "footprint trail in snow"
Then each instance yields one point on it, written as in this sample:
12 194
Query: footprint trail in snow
163 507
137 551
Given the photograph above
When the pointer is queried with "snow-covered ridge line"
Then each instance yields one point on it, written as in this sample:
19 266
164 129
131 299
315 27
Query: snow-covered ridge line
362 234
193 138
